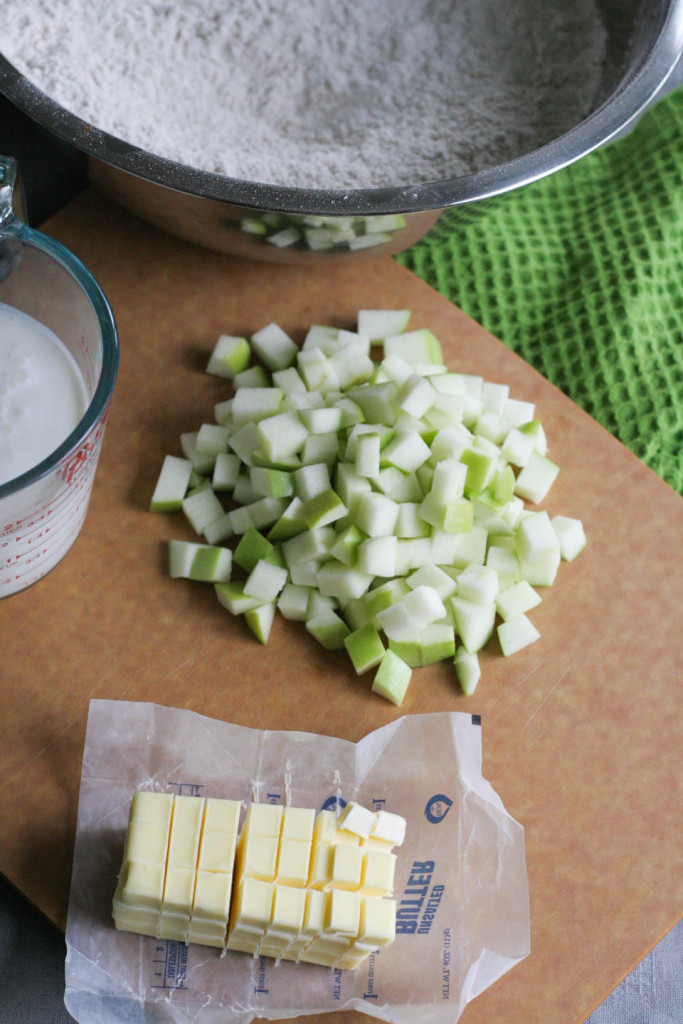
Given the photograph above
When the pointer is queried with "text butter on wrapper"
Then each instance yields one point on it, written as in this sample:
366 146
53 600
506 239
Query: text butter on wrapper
293 885
459 907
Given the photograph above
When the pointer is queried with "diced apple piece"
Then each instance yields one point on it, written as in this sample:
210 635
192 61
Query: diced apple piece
378 324
416 347
260 513
365 648
368 454
232 597
406 451
467 669
230 356
473 622
271 483
515 634
219 530
199 561
274 347
311 480
535 536
432 576
226 471
392 678
309 544
289 524
281 435
212 439
450 517
571 536
536 478
322 509
479 583
338 580
506 564
254 404
377 556
416 395
254 377
516 600
265 581
293 602
328 629
202 508
374 514
260 621
252 547
202 462
172 484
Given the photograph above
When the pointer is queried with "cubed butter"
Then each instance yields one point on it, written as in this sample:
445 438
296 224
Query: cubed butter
287 918
347 865
379 868
264 819
257 856
293 885
188 812
342 914
343 837
136 919
142 885
217 851
321 865
146 843
221 815
298 823
154 808
203 936
390 827
212 896
325 827
243 945
253 905
293 862
377 924
183 847
348 962
371 843
174 926
314 915
310 956
179 890
357 819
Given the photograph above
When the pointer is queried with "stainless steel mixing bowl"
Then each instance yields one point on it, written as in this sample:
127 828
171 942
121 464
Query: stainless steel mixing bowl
263 221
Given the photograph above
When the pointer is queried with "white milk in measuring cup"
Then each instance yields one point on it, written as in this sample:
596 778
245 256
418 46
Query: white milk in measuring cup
58 365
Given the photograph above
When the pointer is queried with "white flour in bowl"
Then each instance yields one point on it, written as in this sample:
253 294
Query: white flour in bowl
317 93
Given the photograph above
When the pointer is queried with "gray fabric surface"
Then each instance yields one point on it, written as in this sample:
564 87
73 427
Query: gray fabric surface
32 974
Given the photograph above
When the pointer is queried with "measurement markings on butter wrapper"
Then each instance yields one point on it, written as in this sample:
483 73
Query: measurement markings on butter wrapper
170 964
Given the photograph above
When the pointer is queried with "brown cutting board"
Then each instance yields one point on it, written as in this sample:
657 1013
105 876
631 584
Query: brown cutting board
582 731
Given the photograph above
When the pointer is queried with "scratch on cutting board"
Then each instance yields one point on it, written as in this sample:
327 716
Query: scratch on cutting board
55 739
46 746
517 690
549 694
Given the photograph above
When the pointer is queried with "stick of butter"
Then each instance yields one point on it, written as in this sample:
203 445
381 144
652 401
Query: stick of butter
293 885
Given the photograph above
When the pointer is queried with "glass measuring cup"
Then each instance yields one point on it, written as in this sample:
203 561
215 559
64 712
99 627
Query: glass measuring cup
43 509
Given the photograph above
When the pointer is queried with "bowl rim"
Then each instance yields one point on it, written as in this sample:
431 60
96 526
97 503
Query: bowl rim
635 91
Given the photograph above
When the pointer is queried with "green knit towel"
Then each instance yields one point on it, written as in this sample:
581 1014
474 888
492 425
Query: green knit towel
581 274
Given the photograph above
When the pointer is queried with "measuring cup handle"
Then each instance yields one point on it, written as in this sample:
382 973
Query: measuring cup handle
12 206
11 228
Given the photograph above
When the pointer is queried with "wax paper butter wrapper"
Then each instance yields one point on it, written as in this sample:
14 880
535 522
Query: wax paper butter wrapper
461 883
